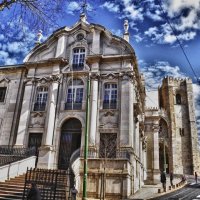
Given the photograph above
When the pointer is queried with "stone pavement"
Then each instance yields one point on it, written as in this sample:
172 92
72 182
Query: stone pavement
149 191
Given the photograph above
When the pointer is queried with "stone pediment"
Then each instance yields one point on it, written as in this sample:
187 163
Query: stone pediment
4 80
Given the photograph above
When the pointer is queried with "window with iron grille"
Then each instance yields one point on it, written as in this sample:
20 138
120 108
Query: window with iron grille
78 58
41 99
74 95
2 93
110 96
108 145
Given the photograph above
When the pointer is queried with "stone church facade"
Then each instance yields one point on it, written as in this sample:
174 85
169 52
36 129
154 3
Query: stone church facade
43 103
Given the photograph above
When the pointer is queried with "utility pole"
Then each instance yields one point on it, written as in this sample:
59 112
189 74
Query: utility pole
86 139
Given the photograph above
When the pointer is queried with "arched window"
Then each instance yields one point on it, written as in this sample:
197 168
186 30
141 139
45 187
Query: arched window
74 95
110 96
41 99
78 58
178 99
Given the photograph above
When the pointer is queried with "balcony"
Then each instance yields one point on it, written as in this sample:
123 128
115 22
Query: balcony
73 106
109 105
78 67
39 107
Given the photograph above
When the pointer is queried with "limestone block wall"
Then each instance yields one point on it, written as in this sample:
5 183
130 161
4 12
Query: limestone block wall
10 108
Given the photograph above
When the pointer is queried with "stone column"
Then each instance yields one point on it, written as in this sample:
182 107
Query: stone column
47 151
156 170
52 109
93 111
126 126
22 135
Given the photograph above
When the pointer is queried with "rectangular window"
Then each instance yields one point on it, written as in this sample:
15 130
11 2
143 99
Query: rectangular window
2 93
110 96
78 58
41 99
108 145
74 95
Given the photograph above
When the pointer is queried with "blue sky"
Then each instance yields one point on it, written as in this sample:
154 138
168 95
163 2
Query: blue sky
156 46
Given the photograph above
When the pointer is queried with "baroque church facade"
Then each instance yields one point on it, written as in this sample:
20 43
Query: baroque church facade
43 103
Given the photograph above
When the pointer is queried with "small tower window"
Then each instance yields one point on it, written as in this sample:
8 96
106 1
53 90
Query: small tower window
178 99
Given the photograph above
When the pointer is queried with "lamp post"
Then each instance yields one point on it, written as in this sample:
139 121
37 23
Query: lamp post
86 139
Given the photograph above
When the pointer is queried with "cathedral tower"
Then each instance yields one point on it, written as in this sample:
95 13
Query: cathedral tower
181 141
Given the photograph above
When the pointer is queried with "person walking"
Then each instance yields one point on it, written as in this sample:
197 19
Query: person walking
74 193
171 176
196 176
34 193
163 180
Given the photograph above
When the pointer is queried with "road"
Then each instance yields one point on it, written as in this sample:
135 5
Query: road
190 192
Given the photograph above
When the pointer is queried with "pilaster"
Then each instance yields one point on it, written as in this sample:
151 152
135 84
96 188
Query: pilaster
25 113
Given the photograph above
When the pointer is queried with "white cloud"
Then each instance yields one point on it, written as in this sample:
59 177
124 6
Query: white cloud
155 72
73 6
117 32
11 61
2 37
131 11
112 7
138 38
165 35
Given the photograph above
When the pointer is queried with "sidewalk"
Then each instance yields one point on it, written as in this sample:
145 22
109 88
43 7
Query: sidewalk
149 191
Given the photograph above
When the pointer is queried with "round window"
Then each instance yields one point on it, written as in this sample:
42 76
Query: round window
80 36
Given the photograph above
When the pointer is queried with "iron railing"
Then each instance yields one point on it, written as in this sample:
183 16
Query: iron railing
73 106
53 184
119 154
39 107
109 105
9 154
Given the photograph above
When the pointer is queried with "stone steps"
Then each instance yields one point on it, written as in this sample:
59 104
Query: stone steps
13 189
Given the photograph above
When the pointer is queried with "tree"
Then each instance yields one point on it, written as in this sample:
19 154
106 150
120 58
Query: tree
40 14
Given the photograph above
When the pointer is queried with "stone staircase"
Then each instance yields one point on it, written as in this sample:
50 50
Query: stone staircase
13 188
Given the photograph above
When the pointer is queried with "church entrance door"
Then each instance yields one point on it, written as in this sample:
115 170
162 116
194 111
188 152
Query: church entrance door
70 141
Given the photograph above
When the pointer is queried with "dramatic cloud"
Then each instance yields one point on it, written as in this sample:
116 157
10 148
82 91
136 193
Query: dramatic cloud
112 7
155 72
15 45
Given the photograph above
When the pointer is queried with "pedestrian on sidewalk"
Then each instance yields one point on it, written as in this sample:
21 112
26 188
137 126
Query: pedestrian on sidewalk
171 176
163 180
74 192
196 176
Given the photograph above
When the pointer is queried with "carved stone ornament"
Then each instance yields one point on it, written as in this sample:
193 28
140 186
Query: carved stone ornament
94 76
109 120
109 113
144 143
38 114
109 76
127 75
5 80
37 119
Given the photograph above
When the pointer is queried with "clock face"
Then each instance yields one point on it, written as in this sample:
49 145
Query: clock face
80 36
